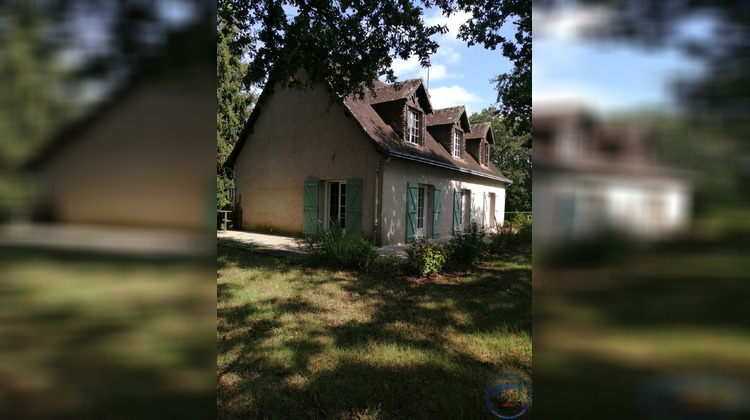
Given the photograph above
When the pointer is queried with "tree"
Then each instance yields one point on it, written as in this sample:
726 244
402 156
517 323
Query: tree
347 44
512 156
721 92
234 103
488 17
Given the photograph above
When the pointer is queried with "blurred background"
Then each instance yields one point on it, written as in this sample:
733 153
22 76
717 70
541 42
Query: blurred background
107 192
640 206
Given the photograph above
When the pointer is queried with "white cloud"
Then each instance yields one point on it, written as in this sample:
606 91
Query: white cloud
453 22
406 69
447 54
569 23
444 97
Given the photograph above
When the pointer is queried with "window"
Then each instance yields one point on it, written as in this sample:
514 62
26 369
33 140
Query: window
421 211
486 157
457 140
336 204
414 126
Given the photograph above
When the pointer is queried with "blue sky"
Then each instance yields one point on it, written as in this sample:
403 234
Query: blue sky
459 75
605 77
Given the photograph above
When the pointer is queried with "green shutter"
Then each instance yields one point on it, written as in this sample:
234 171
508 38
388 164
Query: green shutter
471 210
456 210
412 193
354 206
310 205
436 206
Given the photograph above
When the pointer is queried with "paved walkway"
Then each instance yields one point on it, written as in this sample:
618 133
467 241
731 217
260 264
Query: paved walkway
288 244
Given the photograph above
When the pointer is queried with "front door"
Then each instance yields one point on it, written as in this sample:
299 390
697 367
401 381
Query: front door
421 212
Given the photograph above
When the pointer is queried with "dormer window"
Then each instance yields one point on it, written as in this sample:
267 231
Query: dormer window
414 126
486 160
457 143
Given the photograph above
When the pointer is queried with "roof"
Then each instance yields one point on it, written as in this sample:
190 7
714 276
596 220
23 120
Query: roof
450 115
383 136
401 90
481 131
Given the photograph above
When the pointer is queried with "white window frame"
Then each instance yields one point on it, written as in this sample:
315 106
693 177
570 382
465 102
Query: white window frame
413 126
341 205
421 231
457 141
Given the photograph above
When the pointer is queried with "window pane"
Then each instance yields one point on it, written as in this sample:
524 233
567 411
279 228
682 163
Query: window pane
333 202
342 206
420 209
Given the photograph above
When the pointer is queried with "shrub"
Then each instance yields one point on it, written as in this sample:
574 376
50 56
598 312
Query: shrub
514 235
336 248
426 259
467 247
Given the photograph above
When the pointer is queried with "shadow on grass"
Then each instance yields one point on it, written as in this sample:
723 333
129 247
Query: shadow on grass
380 347
102 337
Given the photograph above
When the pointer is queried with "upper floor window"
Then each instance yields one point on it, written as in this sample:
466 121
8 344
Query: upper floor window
486 157
414 126
457 140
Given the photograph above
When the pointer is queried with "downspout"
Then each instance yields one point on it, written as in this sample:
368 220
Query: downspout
377 193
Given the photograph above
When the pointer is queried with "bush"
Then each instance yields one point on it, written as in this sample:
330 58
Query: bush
426 259
338 249
514 235
467 247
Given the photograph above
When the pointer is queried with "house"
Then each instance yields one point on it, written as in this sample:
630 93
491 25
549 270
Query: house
389 167
591 177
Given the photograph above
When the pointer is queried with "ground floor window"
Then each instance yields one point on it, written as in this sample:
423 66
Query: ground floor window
336 206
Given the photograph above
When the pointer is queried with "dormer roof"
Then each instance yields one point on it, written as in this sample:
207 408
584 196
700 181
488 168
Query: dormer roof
481 131
444 116
402 90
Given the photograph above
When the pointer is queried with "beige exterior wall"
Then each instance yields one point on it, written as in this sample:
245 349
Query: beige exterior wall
397 173
149 161
295 138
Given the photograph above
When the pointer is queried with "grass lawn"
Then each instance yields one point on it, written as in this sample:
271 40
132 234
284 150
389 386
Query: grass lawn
92 337
675 313
295 341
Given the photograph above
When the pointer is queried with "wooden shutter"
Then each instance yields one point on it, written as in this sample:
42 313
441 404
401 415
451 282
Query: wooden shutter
456 210
310 205
412 193
471 209
354 207
436 207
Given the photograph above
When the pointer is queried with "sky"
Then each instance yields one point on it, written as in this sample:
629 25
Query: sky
459 75
604 77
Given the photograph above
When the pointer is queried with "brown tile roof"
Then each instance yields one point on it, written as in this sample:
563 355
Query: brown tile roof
401 90
448 116
481 131
389 142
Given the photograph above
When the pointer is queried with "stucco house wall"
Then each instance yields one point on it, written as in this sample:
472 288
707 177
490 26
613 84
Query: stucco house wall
396 175
143 162
297 137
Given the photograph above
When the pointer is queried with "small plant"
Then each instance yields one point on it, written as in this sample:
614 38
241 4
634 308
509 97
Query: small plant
334 247
514 235
426 259
467 247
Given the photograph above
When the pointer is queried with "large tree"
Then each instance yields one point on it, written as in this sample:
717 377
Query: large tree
511 154
234 102
347 45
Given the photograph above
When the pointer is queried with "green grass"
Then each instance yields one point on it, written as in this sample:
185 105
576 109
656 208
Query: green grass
295 341
605 331
85 336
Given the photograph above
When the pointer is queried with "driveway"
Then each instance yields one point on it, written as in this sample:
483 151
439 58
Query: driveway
288 244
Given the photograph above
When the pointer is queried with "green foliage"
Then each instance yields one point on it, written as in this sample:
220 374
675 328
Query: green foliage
425 258
511 154
515 235
335 248
234 102
467 247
